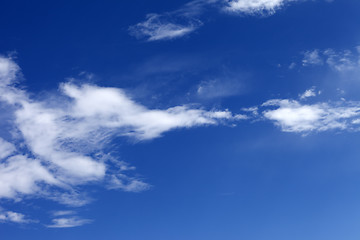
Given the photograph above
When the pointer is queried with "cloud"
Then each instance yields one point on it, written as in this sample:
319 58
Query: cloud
60 141
218 88
255 6
6 148
294 116
164 27
340 61
63 213
183 21
14 217
173 24
308 93
68 222
312 58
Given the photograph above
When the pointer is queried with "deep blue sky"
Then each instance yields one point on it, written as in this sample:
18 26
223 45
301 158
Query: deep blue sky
249 179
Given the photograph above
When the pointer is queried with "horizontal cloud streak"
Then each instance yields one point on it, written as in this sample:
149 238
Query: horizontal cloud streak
68 222
161 27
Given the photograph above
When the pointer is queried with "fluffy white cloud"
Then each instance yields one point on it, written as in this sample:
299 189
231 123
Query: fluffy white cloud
293 116
60 139
20 175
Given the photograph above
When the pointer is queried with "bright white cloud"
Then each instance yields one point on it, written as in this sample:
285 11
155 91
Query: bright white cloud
293 116
20 175
255 6
60 140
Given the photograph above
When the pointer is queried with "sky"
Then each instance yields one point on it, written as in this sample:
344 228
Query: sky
180 120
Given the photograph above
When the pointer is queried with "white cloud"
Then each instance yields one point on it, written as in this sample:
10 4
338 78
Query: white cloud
60 140
183 21
21 175
312 58
68 222
293 116
255 6
308 93
9 216
161 27
6 148
123 182
340 61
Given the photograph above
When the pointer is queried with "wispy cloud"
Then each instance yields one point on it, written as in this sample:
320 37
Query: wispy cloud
172 24
14 217
68 222
60 141
186 19
338 60
63 213
312 58
216 88
164 27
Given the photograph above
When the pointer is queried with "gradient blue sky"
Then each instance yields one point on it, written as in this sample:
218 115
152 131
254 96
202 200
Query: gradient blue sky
180 120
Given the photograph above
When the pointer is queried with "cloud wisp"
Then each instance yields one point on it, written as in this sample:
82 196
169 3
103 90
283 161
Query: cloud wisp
164 27
68 222
186 19
58 143
339 61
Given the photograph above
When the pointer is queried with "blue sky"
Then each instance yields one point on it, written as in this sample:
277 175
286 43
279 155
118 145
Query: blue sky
204 119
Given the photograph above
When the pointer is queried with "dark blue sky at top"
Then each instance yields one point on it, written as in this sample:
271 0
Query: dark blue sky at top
252 181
